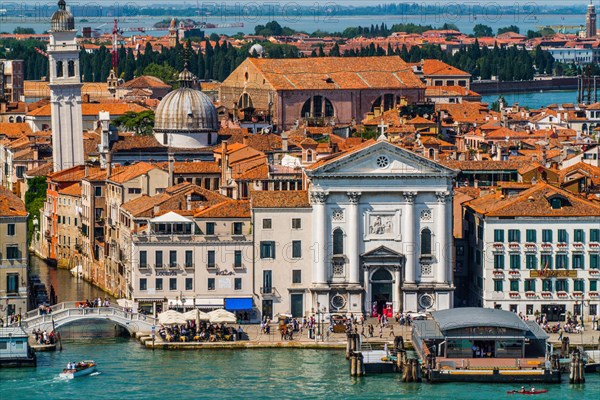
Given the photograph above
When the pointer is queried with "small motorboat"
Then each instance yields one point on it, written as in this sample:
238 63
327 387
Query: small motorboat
75 370
529 391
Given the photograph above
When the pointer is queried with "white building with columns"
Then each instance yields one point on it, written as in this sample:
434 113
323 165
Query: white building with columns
65 91
381 231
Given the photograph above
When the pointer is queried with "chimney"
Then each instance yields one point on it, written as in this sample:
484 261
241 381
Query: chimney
188 200
224 162
109 163
245 139
85 98
284 142
87 170
171 169
156 210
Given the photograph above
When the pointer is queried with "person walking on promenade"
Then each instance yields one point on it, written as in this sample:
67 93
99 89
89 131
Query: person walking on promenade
380 330
560 335
362 330
392 330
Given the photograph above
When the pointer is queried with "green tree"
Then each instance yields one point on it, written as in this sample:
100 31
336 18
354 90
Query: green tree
141 123
34 201
511 28
19 30
163 71
481 30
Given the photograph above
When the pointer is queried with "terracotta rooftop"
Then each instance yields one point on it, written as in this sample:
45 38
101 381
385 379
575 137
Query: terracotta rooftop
10 204
14 130
534 202
72 190
128 172
337 73
192 167
145 81
92 109
437 67
226 209
280 199
485 165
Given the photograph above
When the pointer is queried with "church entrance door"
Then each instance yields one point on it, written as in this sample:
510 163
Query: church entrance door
381 290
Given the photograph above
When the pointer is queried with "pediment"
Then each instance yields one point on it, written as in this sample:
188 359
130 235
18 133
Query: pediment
381 159
382 252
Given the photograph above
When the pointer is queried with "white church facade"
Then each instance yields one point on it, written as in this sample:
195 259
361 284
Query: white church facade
382 227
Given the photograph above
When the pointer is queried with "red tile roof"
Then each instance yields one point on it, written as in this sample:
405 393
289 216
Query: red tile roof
280 199
337 73
10 204
534 202
226 209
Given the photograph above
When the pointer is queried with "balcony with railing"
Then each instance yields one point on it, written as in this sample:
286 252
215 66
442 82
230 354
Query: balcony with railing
530 247
498 247
269 291
514 246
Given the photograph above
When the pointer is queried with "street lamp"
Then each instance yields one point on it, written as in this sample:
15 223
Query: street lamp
318 320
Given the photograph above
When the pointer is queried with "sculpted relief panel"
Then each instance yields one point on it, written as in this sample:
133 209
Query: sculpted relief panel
382 225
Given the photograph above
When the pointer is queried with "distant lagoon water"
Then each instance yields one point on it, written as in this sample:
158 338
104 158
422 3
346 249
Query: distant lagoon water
535 99
311 23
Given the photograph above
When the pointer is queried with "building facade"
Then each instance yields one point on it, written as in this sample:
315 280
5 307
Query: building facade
13 255
382 235
535 252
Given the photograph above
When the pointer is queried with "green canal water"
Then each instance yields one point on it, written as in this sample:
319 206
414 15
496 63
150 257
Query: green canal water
126 370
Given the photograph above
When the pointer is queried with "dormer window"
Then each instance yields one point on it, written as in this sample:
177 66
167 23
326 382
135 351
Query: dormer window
556 203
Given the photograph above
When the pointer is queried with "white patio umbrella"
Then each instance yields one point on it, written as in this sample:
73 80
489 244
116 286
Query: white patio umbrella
222 316
171 317
196 315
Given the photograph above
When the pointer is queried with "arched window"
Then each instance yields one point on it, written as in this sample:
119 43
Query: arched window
317 107
71 68
338 241
59 69
387 101
19 119
426 241
245 102
381 274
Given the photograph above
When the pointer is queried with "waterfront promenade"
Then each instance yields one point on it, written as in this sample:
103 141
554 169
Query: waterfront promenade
589 338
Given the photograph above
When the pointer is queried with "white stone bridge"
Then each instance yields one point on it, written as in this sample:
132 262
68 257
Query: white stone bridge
69 313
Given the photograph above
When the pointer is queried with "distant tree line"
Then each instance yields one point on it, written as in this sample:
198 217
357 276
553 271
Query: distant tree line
220 59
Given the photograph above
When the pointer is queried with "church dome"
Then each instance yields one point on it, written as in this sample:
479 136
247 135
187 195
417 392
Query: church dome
258 49
62 20
185 115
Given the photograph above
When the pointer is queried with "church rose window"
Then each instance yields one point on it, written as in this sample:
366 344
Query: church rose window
338 301
382 161
426 301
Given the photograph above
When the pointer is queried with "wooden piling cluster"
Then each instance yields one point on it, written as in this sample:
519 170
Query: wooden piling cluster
411 371
577 374
352 344
357 365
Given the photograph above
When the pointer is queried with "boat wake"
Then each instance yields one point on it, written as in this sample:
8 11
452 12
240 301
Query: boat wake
95 373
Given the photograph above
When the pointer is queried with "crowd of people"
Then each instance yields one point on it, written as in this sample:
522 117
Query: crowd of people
97 302
203 332
43 337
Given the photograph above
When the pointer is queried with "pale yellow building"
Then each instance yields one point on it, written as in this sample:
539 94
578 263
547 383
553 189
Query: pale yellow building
13 255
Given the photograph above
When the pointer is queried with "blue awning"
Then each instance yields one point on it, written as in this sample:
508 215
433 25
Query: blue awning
238 304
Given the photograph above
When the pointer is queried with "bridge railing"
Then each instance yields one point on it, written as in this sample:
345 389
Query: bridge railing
64 311
65 305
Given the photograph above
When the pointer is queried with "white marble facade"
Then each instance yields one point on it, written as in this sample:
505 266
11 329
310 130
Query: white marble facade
371 208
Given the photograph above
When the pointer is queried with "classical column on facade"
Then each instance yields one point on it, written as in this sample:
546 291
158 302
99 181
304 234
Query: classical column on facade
353 238
409 237
367 298
396 297
441 237
319 215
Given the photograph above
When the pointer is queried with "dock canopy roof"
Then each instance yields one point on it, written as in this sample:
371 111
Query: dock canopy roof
470 317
